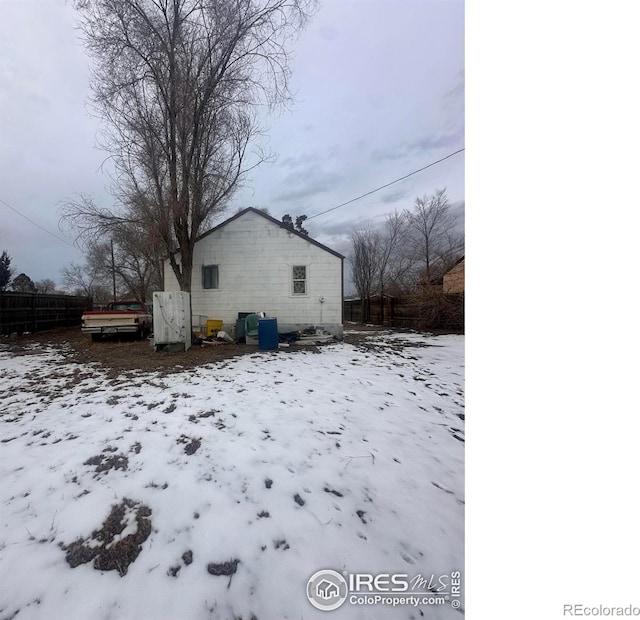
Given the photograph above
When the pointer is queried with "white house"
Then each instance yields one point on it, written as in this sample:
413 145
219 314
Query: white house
253 263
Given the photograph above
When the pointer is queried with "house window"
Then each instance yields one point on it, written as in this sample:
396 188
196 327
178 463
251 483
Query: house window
209 276
299 280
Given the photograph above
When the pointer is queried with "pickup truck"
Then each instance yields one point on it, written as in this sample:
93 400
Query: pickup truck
119 317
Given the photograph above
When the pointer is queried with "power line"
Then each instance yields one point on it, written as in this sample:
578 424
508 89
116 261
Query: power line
373 191
6 204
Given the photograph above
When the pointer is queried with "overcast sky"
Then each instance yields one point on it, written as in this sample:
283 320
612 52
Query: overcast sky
379 88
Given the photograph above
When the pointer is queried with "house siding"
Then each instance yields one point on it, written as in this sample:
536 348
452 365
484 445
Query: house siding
255 258
453 280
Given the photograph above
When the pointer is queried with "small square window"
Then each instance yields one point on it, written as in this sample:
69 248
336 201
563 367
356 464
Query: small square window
210 276
299 280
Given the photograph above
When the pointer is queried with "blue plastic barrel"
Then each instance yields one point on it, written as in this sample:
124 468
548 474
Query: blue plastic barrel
268 334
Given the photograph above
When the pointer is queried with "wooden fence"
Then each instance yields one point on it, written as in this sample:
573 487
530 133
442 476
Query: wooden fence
432 311
30 312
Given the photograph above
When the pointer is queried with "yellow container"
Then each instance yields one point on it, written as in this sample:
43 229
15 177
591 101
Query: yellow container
214 326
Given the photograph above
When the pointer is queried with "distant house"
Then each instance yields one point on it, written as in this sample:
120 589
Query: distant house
453 278
254 263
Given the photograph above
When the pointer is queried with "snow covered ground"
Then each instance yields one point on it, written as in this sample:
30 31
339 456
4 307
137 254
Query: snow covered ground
216 492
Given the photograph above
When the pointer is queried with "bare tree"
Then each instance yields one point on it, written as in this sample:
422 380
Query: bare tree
365 265
137 263
87 280
128 262
380 260
432 225
395 260
178 83
450 250
45 286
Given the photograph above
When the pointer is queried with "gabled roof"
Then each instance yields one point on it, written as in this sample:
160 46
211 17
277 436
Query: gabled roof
454 265
273 220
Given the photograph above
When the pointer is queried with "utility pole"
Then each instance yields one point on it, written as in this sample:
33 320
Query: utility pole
113 272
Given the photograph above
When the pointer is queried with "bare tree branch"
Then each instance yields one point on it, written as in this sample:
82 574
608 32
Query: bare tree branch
433 224
178 83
